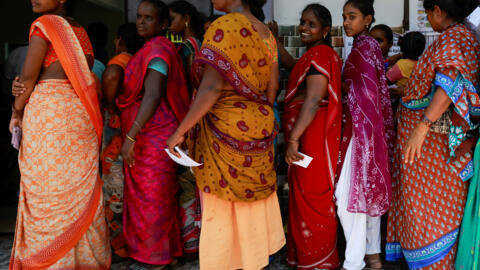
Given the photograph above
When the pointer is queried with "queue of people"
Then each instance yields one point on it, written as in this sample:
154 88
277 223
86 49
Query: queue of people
389 136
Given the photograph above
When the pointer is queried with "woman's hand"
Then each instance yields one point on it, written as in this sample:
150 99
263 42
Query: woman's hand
18 88
292 153
127 152
273 26
15 121
415 143
175 140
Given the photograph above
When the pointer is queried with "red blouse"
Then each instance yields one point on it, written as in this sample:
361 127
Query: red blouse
51 56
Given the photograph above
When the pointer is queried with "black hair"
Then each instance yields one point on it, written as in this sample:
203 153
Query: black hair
128 33
365 6
69 6
196 19
98 34
256 7
213 17
324 16
162 9
456 9
385 29
412 45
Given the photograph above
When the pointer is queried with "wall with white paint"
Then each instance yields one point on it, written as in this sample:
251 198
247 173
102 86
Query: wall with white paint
287 12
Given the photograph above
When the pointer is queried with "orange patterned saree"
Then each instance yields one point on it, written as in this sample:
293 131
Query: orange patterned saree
60 220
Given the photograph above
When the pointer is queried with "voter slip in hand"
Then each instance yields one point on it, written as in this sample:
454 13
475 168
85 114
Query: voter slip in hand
185 160
304 162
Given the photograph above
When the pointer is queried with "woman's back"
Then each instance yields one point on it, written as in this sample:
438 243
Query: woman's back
51 67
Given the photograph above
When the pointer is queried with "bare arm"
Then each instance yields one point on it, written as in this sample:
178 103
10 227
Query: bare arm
437 107
209 91
316 92
274 84
28 78
37 50
111 82
286 60
154 92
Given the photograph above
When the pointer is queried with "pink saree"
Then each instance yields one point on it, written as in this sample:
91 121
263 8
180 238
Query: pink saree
370 125
151 223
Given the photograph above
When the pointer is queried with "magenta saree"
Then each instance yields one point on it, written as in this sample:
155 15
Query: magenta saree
150 220
370 126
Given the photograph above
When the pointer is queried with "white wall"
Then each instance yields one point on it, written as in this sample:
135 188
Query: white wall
287 12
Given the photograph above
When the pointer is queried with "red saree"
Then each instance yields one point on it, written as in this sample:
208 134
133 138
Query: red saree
312 231
150 221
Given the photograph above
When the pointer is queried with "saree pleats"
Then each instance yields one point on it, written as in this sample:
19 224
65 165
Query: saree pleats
60 190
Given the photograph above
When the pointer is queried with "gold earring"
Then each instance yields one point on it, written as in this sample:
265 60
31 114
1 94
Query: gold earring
186 24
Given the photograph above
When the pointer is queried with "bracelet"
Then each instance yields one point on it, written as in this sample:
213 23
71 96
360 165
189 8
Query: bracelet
293 141
426 121
130 138
137 124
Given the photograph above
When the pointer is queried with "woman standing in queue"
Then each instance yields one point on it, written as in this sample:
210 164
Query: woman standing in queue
363 191
188 23
127 43
61 221
233 131
312 123
434 149
154 100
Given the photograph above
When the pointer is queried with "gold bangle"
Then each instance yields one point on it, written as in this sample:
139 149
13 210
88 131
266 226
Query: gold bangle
293 141
130 138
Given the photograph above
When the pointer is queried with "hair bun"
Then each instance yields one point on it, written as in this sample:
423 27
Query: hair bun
258 3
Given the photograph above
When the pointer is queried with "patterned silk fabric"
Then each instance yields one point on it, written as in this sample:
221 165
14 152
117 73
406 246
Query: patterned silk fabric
429 195
235 139
52 57
151 224
371 124
61 221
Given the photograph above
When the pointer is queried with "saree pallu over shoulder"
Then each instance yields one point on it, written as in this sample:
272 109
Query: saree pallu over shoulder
60 221
450 63
326 61
372 125
311 199
429 195
235 138
195 72
71 57
150 214
225 48
176 90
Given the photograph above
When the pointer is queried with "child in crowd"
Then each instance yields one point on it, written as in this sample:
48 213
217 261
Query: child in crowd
384 35
412 46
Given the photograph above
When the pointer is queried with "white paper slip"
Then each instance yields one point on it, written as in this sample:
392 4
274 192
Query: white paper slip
185 160
304 162
474 17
